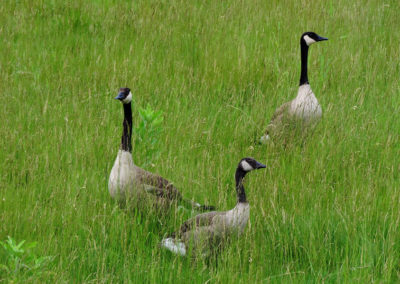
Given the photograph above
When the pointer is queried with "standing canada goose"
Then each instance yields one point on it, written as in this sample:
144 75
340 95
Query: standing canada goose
209 230
128 181
305 107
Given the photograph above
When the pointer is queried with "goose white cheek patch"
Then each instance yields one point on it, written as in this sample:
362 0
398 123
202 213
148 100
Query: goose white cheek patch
309 41
128 99
246 166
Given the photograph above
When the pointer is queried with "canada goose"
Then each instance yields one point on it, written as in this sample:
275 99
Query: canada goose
305 107
206 231
128 181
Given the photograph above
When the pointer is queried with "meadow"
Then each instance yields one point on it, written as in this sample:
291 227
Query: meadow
326 210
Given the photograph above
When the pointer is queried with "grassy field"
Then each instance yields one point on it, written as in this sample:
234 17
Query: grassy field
326 210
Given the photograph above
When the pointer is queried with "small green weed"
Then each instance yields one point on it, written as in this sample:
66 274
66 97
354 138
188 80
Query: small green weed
147 134
21 262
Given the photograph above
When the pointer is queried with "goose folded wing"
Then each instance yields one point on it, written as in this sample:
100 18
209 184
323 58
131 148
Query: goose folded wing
158 185
280 112
201 220
278 116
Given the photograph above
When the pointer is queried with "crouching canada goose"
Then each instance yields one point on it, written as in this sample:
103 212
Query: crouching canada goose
208 231
128 181
305 107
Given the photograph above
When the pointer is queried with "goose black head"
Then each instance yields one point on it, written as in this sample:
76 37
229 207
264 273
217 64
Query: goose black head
309 38
124 95
249 164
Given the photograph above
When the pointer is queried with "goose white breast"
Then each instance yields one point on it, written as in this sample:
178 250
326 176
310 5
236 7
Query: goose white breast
305 105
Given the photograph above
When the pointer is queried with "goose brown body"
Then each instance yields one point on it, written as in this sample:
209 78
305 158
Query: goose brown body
208 231
128 180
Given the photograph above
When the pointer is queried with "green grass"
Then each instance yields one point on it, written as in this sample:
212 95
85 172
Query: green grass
328 210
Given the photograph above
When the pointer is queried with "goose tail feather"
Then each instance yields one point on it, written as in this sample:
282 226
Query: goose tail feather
264 139
198 206
174 246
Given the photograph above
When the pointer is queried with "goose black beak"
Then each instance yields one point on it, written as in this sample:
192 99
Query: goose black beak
119 97
321 38
260 166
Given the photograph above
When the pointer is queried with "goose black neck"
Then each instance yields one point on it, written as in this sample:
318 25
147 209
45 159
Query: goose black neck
241 194
304 57
126 139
